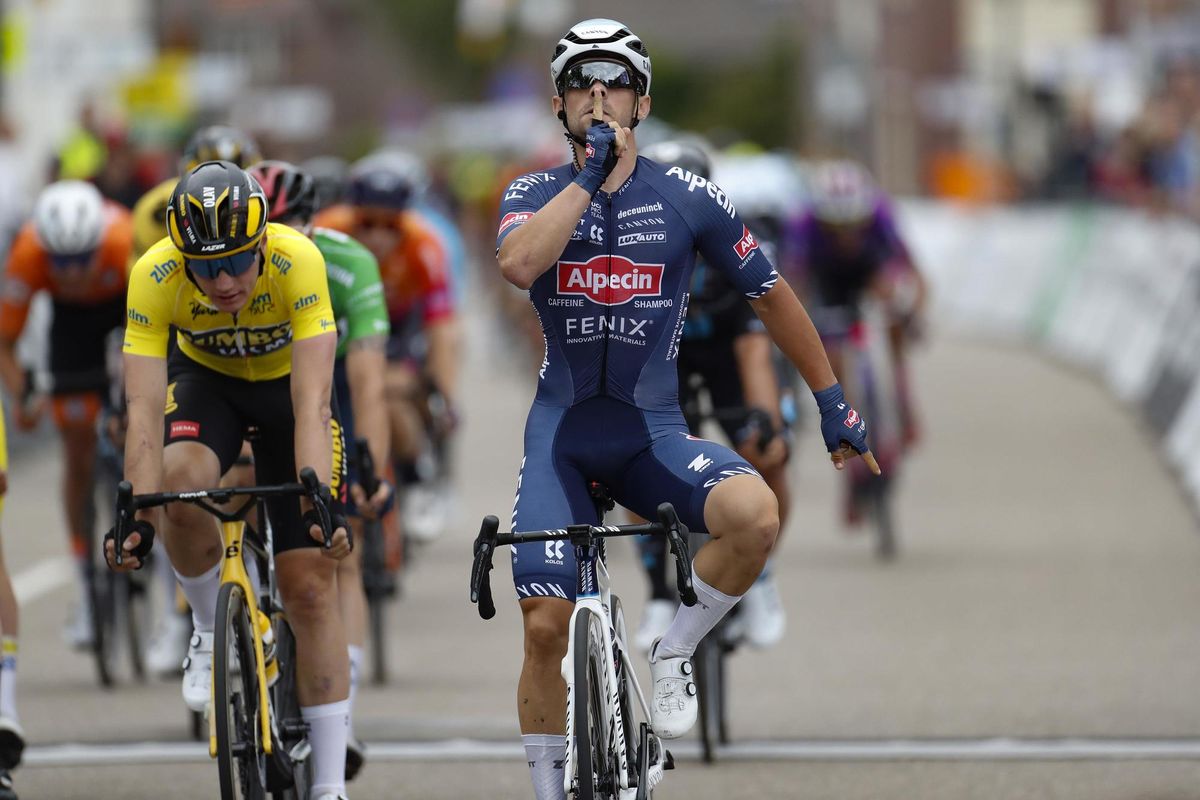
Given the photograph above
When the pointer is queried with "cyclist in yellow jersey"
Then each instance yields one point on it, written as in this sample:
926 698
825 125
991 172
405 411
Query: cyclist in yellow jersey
210 143
12 739
256 343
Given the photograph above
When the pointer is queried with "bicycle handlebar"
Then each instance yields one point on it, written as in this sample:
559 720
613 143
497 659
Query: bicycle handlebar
309 486
489 539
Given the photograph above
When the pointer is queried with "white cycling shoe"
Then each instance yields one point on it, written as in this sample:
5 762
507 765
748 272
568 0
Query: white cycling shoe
197 671
656 618
332 796
169 648
675 706
763 618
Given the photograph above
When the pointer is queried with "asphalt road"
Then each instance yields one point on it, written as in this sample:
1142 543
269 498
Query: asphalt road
1037 638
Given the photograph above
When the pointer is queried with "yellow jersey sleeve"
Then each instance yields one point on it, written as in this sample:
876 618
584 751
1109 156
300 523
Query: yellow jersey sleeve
150 303
304 283
150 216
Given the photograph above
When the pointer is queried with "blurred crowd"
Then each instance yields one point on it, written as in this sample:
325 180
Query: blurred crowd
1153 162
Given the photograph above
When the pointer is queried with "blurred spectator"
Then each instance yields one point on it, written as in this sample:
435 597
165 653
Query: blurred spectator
11 189
84 151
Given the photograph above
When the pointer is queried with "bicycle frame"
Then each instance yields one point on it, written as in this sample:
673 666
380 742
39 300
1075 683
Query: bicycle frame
594 593
233 570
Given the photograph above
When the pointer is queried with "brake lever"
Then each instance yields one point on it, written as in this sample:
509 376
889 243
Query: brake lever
481 582
675 531
320 498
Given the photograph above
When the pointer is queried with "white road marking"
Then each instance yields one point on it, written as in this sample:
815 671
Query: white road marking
42 578
994 749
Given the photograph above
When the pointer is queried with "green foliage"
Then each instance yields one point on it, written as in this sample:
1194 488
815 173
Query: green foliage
755 100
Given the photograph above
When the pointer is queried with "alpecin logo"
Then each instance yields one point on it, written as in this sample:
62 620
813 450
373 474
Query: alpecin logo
514 218
746 244
609 280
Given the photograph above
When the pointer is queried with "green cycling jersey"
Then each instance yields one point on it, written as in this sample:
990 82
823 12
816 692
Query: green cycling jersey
355 289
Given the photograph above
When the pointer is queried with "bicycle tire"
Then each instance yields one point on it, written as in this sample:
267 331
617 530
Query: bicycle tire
290 779
621 635
375 585
241 764
707 662
137 619
595 771
103 616
879 507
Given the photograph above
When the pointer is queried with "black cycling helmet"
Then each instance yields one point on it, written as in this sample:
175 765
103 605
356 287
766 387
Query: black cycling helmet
219 143
389 179
217 210
291 193
685 153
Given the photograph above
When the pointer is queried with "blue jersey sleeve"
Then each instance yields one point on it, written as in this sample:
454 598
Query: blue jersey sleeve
522 199
727 244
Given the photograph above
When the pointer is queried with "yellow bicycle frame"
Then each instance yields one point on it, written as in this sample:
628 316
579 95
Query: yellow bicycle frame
233 570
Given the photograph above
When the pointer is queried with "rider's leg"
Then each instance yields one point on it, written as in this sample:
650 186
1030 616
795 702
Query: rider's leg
12 738
352 601
190 535
542 693
308 584
78 433
402 389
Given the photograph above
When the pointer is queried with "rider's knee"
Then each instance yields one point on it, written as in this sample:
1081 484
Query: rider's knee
308 595
750 521
546 625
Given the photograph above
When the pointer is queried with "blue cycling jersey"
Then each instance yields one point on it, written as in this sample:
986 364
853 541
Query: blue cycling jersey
612 308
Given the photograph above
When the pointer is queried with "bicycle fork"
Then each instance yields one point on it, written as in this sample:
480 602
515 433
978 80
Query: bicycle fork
233 570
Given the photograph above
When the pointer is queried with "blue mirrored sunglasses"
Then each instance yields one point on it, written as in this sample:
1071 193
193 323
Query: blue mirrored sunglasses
68 260
609 73
234 265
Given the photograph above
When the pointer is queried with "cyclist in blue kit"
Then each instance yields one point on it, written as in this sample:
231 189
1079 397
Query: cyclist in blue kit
606 245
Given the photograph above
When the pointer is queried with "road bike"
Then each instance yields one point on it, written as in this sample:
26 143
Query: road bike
256 732
612 754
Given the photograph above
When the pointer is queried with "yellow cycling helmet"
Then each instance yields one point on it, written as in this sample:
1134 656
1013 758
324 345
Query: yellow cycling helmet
217 210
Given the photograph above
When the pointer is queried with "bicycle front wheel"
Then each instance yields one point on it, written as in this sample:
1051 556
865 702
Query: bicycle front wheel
241 764
707 661
595 763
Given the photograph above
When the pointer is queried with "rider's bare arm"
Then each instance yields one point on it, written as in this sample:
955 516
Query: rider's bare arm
366 365
312 381
536 245
760 387
145 396
790 327
10 370
444 355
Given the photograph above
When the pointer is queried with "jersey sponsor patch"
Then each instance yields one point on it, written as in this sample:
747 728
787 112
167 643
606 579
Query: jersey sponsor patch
514 218
185 429
609 280
746 245
241 342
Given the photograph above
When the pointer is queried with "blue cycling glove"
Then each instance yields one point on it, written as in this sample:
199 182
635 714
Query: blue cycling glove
839 422
600 156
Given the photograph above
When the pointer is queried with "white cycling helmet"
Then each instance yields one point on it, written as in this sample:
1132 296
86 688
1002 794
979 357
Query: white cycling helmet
68 217
843 193
601 39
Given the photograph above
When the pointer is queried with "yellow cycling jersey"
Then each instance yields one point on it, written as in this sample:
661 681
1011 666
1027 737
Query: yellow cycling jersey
290 302
150 216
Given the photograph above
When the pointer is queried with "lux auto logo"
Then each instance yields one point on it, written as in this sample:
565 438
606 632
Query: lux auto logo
609 280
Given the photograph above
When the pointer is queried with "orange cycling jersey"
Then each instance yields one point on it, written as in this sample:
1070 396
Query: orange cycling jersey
30 270
416 274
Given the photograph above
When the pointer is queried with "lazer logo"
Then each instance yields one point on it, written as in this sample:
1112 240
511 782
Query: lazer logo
554 552
514 218
700 463
609 280
746 245
645 237
212 248
695 182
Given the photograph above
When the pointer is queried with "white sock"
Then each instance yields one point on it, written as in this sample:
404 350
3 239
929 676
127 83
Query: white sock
201 593
545 754
81 585
327 735
691 624
356 658
8 678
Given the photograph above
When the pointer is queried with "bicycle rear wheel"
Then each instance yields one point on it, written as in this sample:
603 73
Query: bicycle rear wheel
879 509
595 766
241 764
378 586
